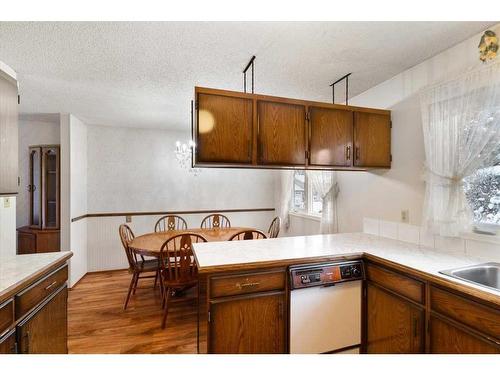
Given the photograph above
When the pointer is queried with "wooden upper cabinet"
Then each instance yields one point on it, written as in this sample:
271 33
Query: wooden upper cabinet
372 139
257 131
224 129
330 137
281 133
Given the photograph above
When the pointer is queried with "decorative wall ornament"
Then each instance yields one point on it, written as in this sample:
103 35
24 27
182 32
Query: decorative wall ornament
488 46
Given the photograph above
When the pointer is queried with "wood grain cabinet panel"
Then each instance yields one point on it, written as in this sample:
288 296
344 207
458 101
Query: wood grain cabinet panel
394 325
6 315
45 330
447 338
223 286
224 129
35 294
248 324
8 343
406 286
372 140
281 133
330 137
8 135
477 316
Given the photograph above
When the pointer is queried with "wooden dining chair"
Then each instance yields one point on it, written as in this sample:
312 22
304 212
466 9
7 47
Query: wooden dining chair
215 221
274 228
170 222
137 265
178 270
248 235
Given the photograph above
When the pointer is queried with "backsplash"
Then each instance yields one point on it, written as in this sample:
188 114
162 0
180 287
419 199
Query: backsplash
488 248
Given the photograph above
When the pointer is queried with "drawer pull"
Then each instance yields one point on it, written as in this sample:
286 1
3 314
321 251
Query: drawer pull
51 285
246 285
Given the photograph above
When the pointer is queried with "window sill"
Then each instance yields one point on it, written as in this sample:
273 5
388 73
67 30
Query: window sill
495 239
307 216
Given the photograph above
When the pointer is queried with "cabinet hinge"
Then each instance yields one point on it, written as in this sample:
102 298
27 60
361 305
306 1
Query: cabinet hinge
308 116
307 154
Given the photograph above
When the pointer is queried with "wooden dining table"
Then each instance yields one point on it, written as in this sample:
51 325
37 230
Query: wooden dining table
150 244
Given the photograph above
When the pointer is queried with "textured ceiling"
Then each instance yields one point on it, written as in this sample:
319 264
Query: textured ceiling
142 74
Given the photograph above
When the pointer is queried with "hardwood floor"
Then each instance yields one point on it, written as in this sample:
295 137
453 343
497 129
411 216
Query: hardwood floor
98 324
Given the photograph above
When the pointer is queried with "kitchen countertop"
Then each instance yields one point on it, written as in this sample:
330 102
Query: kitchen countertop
241 255
17 270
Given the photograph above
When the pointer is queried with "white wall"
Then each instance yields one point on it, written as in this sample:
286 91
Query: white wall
74 193
383 194
7 226
33 130
134 170
78 198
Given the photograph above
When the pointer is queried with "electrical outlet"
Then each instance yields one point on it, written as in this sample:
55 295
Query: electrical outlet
6 202
128 219
405 216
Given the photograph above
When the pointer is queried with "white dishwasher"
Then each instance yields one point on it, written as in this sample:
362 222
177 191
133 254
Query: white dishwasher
325 307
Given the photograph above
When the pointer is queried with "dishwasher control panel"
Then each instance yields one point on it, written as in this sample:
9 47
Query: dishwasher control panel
325 274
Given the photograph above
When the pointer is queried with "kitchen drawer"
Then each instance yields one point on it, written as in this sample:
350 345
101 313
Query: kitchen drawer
222 286
475 315
29 298
403 285
6 315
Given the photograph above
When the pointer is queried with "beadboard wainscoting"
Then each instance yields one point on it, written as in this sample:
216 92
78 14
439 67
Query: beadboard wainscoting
105 251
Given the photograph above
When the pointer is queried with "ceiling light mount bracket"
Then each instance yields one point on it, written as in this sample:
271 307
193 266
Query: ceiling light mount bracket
250 64
346 77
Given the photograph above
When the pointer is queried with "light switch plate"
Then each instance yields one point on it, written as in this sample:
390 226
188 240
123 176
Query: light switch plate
6 202
128 219
405 216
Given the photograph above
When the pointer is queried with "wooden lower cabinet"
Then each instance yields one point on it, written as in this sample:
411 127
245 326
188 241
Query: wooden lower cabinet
394 325
252 323
8 343
31 241
44 331
448 338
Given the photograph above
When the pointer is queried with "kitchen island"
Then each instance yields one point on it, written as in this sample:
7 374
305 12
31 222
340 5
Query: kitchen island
33 303
407 307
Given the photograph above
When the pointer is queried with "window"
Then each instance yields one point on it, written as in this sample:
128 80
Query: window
482 191
305 199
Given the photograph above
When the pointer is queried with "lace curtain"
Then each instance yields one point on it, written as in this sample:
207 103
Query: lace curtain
325 183
461 126
285 198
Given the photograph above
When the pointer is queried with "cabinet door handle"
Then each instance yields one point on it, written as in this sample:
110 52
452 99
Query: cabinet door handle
348 153
51 285
357 153
246 285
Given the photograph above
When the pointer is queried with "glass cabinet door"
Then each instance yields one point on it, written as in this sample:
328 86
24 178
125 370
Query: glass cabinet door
34 188
50 180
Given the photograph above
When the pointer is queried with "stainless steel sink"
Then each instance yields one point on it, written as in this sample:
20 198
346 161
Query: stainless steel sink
486 274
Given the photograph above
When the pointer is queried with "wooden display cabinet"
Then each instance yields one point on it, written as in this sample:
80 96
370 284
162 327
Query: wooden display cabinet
42 234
